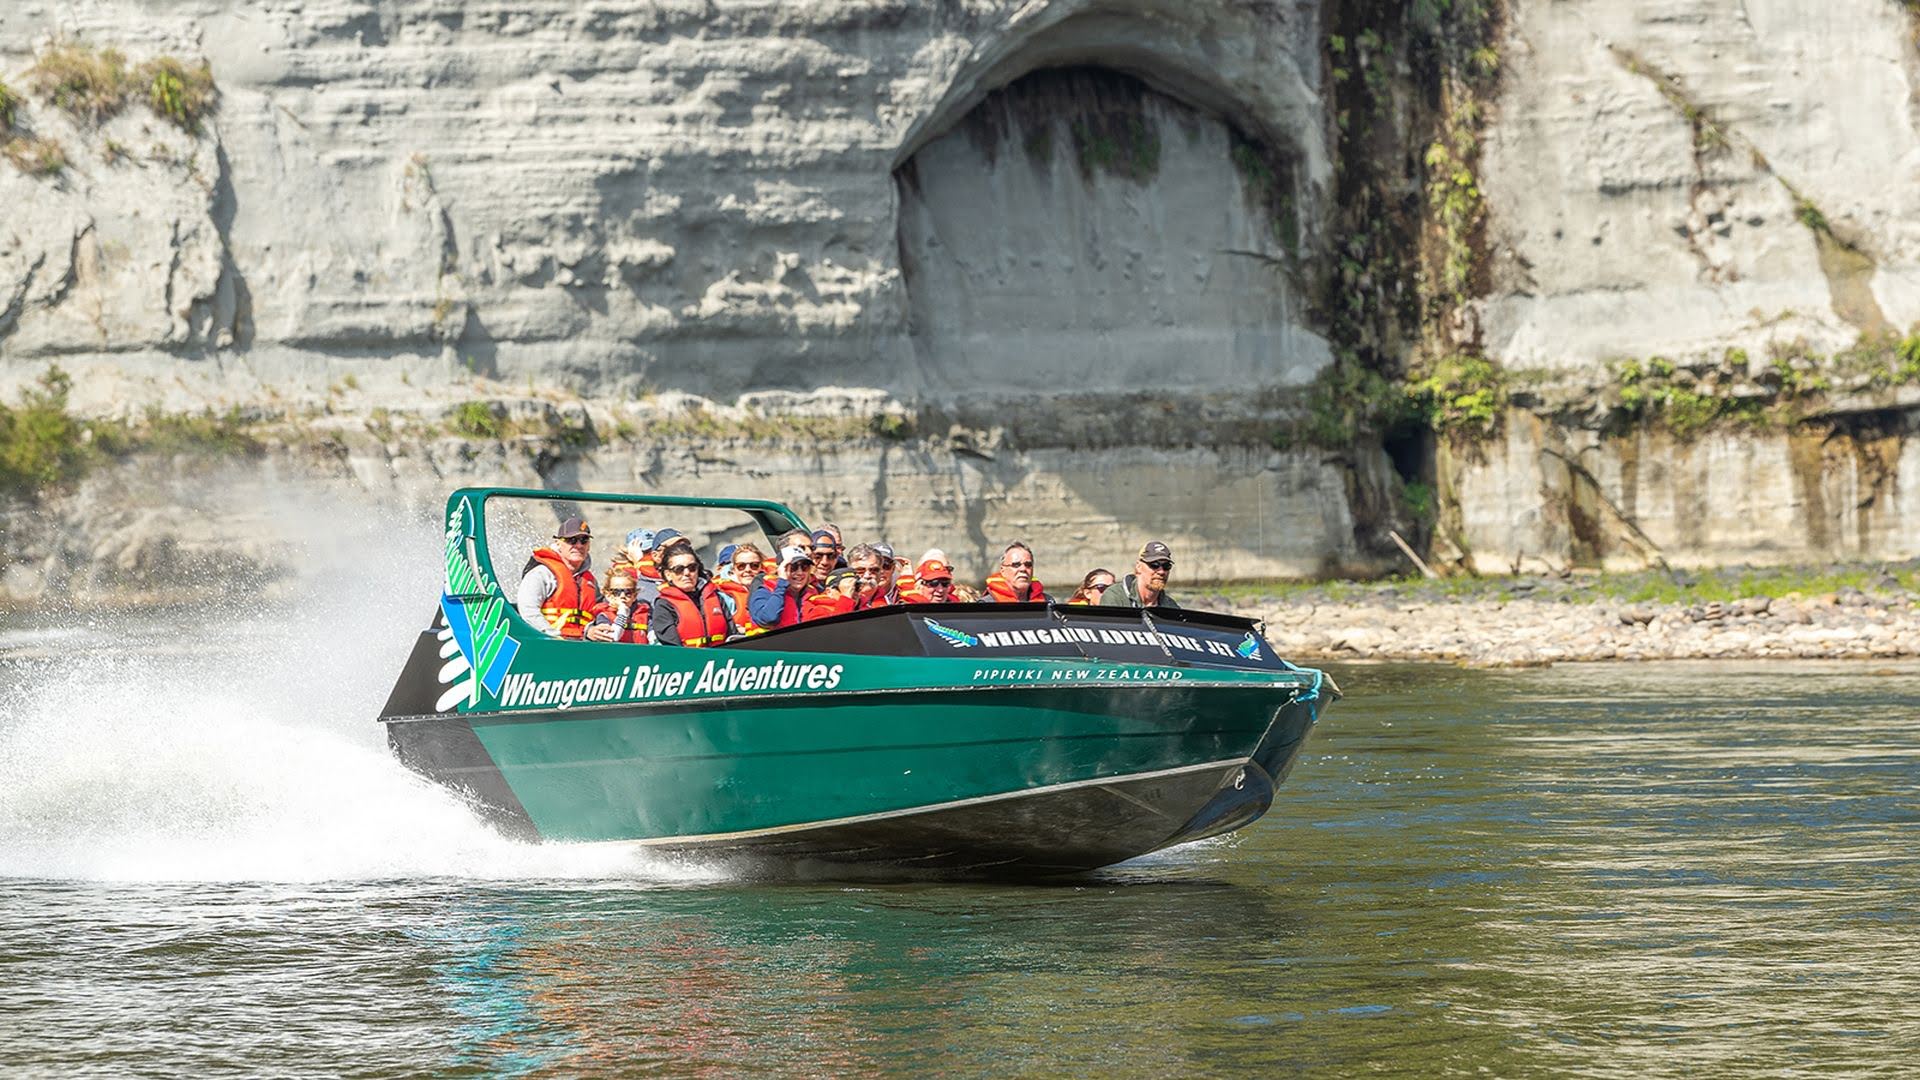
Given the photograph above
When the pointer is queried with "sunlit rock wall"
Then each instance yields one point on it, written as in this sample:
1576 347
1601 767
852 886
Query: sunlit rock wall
404 205
1654 172
693 196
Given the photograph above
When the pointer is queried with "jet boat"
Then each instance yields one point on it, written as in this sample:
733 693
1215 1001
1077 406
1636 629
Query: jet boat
948 739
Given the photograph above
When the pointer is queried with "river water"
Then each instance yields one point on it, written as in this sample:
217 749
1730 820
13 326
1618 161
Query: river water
208 864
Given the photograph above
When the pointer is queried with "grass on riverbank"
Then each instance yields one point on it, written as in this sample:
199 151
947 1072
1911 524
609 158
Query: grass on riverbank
1646 587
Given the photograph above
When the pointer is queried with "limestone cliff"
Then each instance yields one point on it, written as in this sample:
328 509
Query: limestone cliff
1098 260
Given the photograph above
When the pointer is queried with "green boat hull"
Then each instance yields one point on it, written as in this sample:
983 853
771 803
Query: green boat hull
1034 779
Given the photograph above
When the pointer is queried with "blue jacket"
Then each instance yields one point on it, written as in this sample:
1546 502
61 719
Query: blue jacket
769 601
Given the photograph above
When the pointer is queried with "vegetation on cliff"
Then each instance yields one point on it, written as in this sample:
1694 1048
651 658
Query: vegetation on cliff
1793 385
44 447
93 85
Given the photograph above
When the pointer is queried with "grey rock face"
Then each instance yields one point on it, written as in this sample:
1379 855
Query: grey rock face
1104 276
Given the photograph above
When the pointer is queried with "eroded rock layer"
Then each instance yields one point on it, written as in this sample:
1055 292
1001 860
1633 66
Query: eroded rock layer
1087 249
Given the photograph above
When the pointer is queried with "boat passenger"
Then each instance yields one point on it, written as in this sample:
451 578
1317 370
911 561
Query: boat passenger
1014 582
778 599
839 543
689 611
1097 582
736 581
639 551
799 538
1147 585
932 583
826 554
874 582
557 591
836 597
623 610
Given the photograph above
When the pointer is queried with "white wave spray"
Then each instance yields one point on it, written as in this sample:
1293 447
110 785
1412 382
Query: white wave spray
202 746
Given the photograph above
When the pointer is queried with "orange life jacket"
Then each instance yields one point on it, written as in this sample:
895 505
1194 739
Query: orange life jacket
1002 593
703 622
574 600
647 568
742 622
918 595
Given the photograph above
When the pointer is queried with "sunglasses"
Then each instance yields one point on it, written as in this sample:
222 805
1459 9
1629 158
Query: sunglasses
938 583
621 592
1028 565
577 541
754 565
1163 566
1102 587
868 571
683 568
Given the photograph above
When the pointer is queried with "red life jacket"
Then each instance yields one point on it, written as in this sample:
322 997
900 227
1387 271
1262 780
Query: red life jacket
647 568
636 633
742 622
917 595
573 602
703 622
1002 593
874 600
825 605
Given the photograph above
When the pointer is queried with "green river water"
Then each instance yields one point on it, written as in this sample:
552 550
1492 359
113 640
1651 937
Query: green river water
209 865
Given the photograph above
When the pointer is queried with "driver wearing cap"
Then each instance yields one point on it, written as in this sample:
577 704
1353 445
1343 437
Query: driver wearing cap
558 594
1147 585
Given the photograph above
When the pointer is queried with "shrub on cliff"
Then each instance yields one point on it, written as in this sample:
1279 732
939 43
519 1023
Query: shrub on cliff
1461 393
40 443
89 83
95 84
36 156
178 92
9 108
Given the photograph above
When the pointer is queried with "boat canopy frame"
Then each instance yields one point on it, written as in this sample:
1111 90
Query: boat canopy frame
773 518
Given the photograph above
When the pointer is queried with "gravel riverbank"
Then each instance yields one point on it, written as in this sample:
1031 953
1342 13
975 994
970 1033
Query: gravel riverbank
1872 614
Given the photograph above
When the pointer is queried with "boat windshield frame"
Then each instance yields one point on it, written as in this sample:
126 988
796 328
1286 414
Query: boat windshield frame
773 518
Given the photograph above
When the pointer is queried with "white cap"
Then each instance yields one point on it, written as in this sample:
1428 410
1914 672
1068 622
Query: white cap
789 554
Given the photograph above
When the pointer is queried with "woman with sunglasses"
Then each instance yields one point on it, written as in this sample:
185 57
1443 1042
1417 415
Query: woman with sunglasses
689 611
1092 587
736 582
1147 585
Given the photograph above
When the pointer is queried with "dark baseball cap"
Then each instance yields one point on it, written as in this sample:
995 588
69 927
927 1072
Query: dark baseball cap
1155 551
572 527
824 538
668 536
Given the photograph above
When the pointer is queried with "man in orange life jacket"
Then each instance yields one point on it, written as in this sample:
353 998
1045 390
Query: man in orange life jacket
689 610
1013 583
557 592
